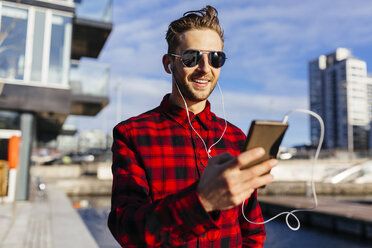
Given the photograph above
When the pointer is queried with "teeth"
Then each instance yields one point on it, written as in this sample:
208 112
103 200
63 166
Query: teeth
201 81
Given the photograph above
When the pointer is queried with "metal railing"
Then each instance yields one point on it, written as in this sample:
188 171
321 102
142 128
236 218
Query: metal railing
89 78
98 10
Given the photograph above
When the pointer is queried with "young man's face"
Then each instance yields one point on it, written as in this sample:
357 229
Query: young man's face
197 83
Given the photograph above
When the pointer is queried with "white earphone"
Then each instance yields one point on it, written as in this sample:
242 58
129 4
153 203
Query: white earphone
208 150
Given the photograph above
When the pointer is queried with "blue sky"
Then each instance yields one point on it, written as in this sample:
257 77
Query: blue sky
268 45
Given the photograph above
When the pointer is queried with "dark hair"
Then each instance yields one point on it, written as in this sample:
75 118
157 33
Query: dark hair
206 18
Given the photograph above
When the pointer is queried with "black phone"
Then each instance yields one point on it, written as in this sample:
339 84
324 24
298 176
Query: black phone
266 134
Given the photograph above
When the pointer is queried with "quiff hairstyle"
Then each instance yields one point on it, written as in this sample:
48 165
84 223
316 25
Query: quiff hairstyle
206 18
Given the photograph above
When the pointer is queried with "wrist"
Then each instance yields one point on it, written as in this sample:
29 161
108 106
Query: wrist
205 203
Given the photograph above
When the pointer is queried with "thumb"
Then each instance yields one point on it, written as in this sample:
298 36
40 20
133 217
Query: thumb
221 162
221 158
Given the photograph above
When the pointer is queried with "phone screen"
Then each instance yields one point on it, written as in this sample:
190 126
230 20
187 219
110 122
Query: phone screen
266 134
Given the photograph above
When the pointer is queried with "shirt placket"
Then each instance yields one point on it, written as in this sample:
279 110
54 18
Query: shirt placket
200 149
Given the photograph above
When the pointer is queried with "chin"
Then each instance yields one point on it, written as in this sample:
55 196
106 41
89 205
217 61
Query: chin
199 98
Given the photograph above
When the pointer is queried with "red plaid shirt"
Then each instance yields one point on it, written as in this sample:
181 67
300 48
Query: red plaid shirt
157 162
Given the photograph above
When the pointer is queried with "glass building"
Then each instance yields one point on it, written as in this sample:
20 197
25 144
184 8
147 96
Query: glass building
42 81
338 86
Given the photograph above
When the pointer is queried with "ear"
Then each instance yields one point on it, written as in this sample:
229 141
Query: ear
167 63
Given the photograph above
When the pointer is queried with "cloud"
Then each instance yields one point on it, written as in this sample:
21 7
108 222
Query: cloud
139 95
136 48
276 39
241 108
268 45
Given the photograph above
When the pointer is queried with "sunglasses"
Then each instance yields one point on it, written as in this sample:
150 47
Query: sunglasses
191 58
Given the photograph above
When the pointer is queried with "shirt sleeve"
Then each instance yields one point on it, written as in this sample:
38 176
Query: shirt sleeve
253 235
137 221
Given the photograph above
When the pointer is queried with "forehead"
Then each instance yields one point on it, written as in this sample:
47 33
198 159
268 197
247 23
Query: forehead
200 39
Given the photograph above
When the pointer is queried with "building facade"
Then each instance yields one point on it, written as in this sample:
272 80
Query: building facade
338 87
42 78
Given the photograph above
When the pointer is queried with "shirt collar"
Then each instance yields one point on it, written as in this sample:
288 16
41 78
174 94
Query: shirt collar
179 114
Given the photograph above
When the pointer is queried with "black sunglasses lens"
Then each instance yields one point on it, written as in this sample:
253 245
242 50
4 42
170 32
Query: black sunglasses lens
191 58
217 59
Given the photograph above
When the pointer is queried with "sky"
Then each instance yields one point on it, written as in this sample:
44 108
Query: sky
268 45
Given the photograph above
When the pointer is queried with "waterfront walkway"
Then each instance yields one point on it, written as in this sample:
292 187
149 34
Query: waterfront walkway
48 220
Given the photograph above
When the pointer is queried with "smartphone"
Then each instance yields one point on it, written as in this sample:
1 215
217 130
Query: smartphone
266 134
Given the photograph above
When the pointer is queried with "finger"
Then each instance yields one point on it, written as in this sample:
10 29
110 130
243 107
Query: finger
262 180
261 168
255 183
249 156
255 177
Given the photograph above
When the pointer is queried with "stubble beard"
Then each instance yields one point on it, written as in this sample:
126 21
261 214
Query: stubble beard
190 95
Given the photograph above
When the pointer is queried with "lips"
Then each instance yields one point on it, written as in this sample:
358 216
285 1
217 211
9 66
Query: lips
200 83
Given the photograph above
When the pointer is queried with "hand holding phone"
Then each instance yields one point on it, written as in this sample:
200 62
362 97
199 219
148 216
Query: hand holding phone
265 134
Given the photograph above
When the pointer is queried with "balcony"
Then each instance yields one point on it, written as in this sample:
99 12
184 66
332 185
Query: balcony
89 87
98 10
66 1
61 5
92 26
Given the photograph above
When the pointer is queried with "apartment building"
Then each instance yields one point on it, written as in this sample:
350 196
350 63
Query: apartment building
43 78
338 88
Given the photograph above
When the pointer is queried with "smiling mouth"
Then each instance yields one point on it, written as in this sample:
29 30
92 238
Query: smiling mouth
200 82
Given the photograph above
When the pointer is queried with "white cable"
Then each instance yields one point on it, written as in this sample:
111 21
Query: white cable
291 213
208 150
224 117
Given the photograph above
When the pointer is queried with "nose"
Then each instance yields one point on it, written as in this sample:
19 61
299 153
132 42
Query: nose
204 63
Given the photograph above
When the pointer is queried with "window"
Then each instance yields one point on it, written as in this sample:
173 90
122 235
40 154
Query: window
59 50
38 46
9 120
35 45
13 28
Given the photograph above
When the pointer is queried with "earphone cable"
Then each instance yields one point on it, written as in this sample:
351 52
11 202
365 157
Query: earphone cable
208 150
291 213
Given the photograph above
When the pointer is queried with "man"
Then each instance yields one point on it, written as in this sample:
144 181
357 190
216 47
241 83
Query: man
177 178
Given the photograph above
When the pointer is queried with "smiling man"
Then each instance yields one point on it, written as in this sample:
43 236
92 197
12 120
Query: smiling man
196 82
177 178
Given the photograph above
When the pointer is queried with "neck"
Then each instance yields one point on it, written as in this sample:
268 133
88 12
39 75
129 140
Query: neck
194 107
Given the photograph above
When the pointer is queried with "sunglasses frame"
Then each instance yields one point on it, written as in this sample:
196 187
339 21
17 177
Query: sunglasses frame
199 55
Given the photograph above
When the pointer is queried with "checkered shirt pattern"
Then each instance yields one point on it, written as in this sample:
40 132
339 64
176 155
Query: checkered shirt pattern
157 162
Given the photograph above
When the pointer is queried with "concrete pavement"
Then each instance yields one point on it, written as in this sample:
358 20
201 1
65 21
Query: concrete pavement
48 220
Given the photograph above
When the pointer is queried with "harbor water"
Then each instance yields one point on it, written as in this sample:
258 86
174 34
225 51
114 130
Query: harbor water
278 234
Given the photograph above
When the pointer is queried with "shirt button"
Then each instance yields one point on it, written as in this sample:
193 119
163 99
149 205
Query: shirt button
201 164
